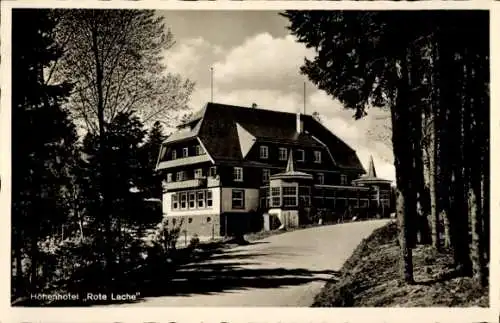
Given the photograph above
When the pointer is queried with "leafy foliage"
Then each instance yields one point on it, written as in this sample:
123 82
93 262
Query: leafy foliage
114 58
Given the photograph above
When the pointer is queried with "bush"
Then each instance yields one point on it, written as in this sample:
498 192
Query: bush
194 242
166 238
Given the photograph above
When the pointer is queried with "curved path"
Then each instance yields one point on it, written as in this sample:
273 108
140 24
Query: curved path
283 270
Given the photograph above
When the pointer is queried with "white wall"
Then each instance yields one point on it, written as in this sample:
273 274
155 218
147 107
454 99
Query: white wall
251 200
215 209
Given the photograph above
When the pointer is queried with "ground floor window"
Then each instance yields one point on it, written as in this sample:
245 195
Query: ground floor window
192 199
175 201
200 198
275 196
183 201
209 198
238 199
289 195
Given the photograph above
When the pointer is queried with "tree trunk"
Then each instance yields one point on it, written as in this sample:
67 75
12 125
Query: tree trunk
403 162
477 252
406 251
446 229
34 255
432 148
19 278
103 161
457 104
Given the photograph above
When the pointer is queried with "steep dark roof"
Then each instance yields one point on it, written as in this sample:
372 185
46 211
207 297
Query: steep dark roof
218 132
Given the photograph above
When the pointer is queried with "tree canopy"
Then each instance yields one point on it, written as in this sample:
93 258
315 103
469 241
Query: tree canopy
114 58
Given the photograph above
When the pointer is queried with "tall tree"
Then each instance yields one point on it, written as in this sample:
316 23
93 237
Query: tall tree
122 149
114 58
373 59
43 141
363 60
151 184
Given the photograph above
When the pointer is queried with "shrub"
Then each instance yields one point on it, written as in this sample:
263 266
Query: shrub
194 242
166 238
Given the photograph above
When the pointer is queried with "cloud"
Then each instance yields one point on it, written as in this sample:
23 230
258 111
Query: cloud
261 62
192 57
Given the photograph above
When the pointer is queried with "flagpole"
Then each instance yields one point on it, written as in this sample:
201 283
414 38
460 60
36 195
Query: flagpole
211 84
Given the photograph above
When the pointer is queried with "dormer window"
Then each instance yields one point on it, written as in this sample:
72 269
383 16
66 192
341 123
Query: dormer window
283 153
174 154
185 152
300 155
317 157
238 174
264 152
199 150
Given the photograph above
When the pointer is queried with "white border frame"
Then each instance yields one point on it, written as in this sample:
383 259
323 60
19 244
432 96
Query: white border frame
236 314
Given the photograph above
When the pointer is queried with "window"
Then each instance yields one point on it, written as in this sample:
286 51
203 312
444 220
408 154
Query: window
289 196
181 176
169 177
212 171
175 201
174 221
321 178
264 152
265 175
199 150
185 152
192 198
283 152
190 220
276 196
209 198
238 174
238 199
317 156
200 198
209 219
183 201
300 155
198 173
343 179
174 154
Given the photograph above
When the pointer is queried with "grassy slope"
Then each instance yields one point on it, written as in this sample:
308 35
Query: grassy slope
370 277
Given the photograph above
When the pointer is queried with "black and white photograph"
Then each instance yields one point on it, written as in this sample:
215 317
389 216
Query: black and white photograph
239 158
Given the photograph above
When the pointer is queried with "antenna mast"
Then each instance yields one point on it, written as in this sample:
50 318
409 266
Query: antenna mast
304 97
211 84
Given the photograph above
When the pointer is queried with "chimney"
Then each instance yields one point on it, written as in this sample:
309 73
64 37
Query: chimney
299 123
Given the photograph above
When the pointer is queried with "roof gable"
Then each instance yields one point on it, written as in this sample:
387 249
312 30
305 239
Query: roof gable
246 140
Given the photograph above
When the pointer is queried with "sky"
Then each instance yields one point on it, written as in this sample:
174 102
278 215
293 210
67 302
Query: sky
256 60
